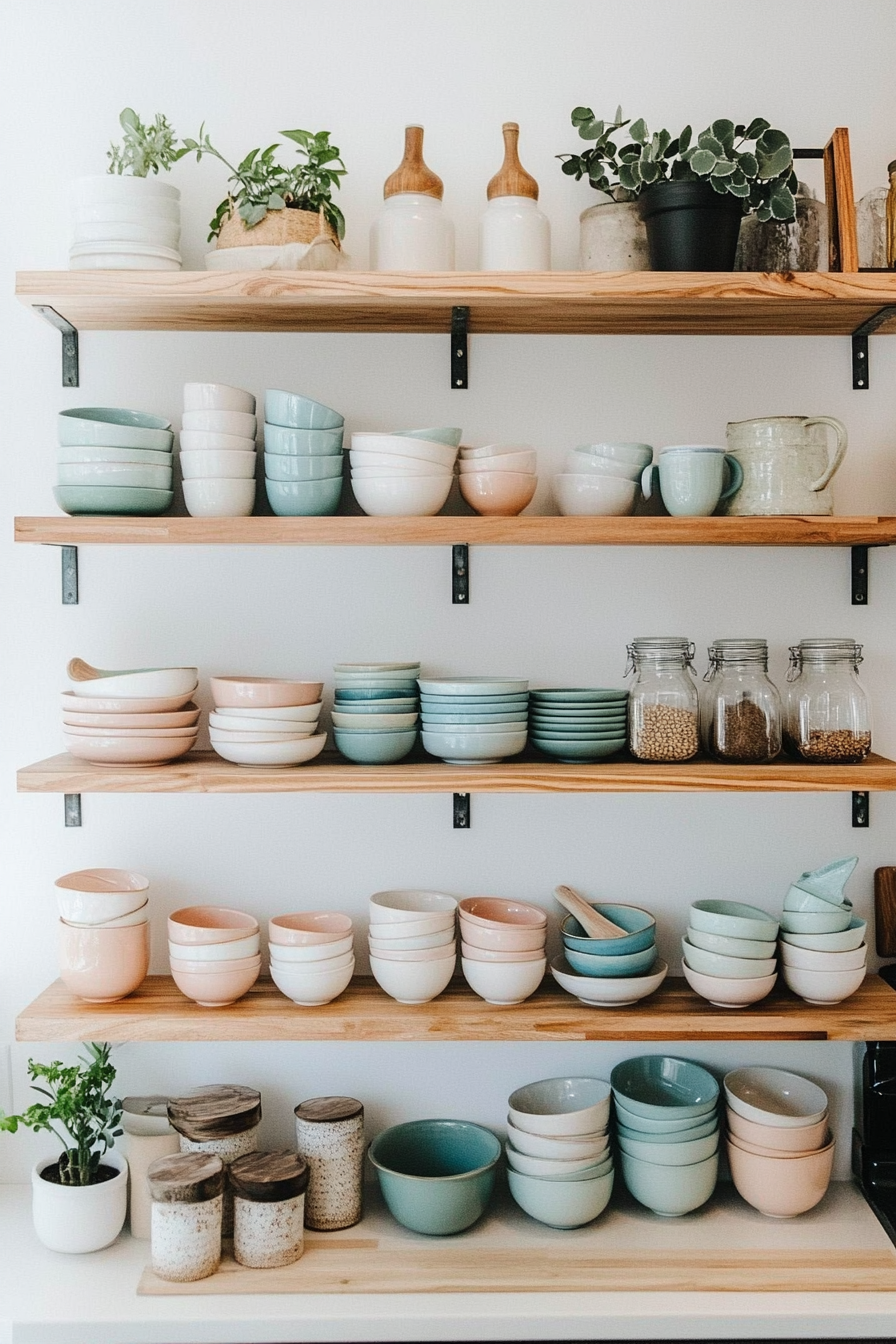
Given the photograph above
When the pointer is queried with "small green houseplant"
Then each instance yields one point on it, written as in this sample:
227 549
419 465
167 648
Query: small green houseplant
144 149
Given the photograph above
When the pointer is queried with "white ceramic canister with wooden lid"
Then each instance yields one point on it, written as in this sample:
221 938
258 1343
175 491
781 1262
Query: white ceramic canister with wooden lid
187 1191
514 235
330 1139
222 1119
268 1209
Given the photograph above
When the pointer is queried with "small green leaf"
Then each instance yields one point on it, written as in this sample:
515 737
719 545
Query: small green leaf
650 171
782 203
578 115
684 140
723 130
276 201
128 118
708 141
756 128
638 130
571 166
748 163
724 168
703 162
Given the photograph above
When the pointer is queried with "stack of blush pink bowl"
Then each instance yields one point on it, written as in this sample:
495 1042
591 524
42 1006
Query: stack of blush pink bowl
502 949
215 953
266 721
312 956
103 932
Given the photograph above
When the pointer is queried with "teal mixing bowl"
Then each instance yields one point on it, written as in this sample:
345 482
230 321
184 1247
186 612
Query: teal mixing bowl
561 1203
302 467
639 924
348 694
298 412
662 1085
632 963
437 1176
670 1190
304 499
374 748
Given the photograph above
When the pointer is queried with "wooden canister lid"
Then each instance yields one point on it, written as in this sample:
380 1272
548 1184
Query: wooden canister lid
185 1178
511 179
215 1112
268 1178
327 1110
412 174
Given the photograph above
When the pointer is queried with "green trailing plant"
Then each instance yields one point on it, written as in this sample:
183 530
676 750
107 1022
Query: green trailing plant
78 1110
753 163
144 149
260 184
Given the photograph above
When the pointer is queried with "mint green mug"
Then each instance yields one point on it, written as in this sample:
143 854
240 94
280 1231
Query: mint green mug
692 478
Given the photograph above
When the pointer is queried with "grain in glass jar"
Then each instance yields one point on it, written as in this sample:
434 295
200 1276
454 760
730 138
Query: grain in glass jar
740 707
187 1201
828 715
222 1119
663 705
268 1208
330 1138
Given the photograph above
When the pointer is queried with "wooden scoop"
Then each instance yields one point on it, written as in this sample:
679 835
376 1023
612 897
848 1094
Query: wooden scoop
78 670
594 924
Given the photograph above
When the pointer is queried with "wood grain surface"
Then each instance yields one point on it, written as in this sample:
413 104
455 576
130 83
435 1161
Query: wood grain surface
885 911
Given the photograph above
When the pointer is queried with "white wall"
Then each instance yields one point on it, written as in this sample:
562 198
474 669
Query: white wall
363 70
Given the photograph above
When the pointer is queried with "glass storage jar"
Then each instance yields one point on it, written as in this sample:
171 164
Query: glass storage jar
663 703
828 714
740 709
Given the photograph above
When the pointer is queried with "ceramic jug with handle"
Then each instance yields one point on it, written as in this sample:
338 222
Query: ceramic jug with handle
787 464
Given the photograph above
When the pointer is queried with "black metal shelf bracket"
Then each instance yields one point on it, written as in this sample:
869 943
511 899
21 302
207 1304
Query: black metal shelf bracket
859 575
73 809
460 575
70 369
460 324
461 811
69 576
861 809
861 373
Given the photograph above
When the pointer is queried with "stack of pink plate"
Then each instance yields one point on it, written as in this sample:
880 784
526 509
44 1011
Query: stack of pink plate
312 956
502 948
215 953
140 717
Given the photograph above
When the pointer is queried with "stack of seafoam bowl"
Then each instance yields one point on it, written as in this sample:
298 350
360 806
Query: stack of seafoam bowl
822 947
601 478
499 479
302 455
217 450
578 725
610 972
144 717
729 953
560 1165
780 1150
469 720
502 947
103 932
413 951
375 711
111 460
266 721
407 474
667 1129
312 956
215 953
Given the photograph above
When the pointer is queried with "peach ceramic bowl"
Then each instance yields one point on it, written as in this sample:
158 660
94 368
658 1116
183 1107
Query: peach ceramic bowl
153 750
316 956
759 1151
182 718
504 982
729 993
420 954
263 692
210 924
491 911
140 733
806 1139
94 895
472 953
407 907
782 1186
250 946
503 494
138 916
308 928
506 938
102 965
126 704
218 987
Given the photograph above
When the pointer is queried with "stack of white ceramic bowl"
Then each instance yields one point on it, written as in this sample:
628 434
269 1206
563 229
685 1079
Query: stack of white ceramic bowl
413 950
217 450
103 932
125 222
610 972
214 953
312 956
302 455
375 711
142 717
578 725
499 479
111 460
502 947
560 1165
822 947
729 953
780 1150
601 478
266 721
407 474
474 720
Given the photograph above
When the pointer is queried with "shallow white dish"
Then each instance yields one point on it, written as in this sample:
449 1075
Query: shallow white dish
281 713
606 991
142 682
273 754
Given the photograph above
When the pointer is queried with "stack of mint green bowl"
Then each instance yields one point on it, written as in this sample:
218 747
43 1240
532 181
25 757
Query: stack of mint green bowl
302 455
113 461
578 724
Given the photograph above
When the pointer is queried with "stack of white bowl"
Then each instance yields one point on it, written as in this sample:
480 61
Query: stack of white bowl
822 947
413 951
111 460
125 222
266 721
560 1165
375 711
502 947
729 953
499 479
474 719
215 953
217 450
407 474
103 932
601 479
143 717
312 956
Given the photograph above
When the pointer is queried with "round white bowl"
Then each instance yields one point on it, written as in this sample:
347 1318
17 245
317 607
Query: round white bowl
731 947
312 953
151 233
309 988
392 464
274 754
398 935
320 967
277 714
804 959
586 495
775 1097
567 1106
413 981
504 982
418 954
238 723
217 397
150 204
206 441
217 498
423 450
249 946
96 895
494 450
298 733
850 938
562 1204
726 992
573 1148
409 497
220 422
421 943
823 986
734 919
223 465
141 682
728 968
138 916
406 907
608 991
557 1167
308 928
472 953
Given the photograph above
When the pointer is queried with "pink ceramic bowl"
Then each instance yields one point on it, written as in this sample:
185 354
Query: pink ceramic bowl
308 928
503 938
472 953
102 965
181 718
194 966
803 1140
95 895
783 1186
218 988
125 750
758 1151
489 911
209 924
263 692
500 493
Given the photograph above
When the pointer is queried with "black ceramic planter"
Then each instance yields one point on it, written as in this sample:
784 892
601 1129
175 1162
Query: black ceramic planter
690 227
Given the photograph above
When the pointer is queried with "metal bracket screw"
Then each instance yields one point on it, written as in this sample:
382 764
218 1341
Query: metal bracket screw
70 370
460 575
69 576
460 322
73 809
861 372
861 810
461 811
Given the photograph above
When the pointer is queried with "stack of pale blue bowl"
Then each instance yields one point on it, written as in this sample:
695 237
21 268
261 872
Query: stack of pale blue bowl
578 725
113 461
667 1132
610 972
474 720
302 455
375 711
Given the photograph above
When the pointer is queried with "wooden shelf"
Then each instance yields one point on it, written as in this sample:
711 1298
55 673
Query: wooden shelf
524 531
564 302
159 1012
205 772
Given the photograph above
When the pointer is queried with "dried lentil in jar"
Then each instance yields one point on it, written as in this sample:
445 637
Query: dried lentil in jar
222 1119
828 715
187 1191
330 1137
740 708
268 1209
663 706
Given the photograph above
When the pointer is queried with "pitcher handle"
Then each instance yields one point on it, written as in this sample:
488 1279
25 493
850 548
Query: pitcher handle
835 458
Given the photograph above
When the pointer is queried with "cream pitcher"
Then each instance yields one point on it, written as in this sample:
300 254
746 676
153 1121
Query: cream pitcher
787 464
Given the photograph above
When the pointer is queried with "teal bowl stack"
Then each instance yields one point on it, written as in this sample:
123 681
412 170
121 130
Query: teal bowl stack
302 455
578 725
113 461
376 711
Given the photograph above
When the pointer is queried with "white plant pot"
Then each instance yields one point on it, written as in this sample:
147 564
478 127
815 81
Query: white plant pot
613 238
121 189
75 1219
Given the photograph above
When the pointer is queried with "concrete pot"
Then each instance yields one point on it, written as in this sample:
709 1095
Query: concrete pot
613 238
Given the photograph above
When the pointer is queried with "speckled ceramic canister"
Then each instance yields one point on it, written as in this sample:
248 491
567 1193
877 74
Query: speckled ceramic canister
330 1138
268 1209
187 1200
222 1119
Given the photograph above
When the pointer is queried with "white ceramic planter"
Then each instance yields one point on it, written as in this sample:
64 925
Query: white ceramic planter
613 238
121 221
121 189
76 1219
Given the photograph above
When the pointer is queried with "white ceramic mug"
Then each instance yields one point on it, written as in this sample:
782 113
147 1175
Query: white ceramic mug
692 478
787 464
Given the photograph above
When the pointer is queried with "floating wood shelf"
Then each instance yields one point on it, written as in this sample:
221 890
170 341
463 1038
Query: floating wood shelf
159 1012
205 772
554 302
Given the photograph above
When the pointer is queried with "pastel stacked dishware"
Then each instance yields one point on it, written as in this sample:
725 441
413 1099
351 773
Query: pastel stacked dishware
411 938
822 944
667 1129
407 474
499 479
559 1160
601 479
312 955
111 460
578 724
266 721
140 717
375 711
103 932
302 455
780 1149
474 720
217 450
214 953
436 1176
124 222
729 953
610 972
502 947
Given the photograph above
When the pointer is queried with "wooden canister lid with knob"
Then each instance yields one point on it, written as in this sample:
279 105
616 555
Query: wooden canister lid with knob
412 174
215 1112
186 1178
269 1178
511 179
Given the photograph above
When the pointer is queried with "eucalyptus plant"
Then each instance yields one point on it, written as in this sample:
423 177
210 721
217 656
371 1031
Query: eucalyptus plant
78 1102
753 163
145 148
